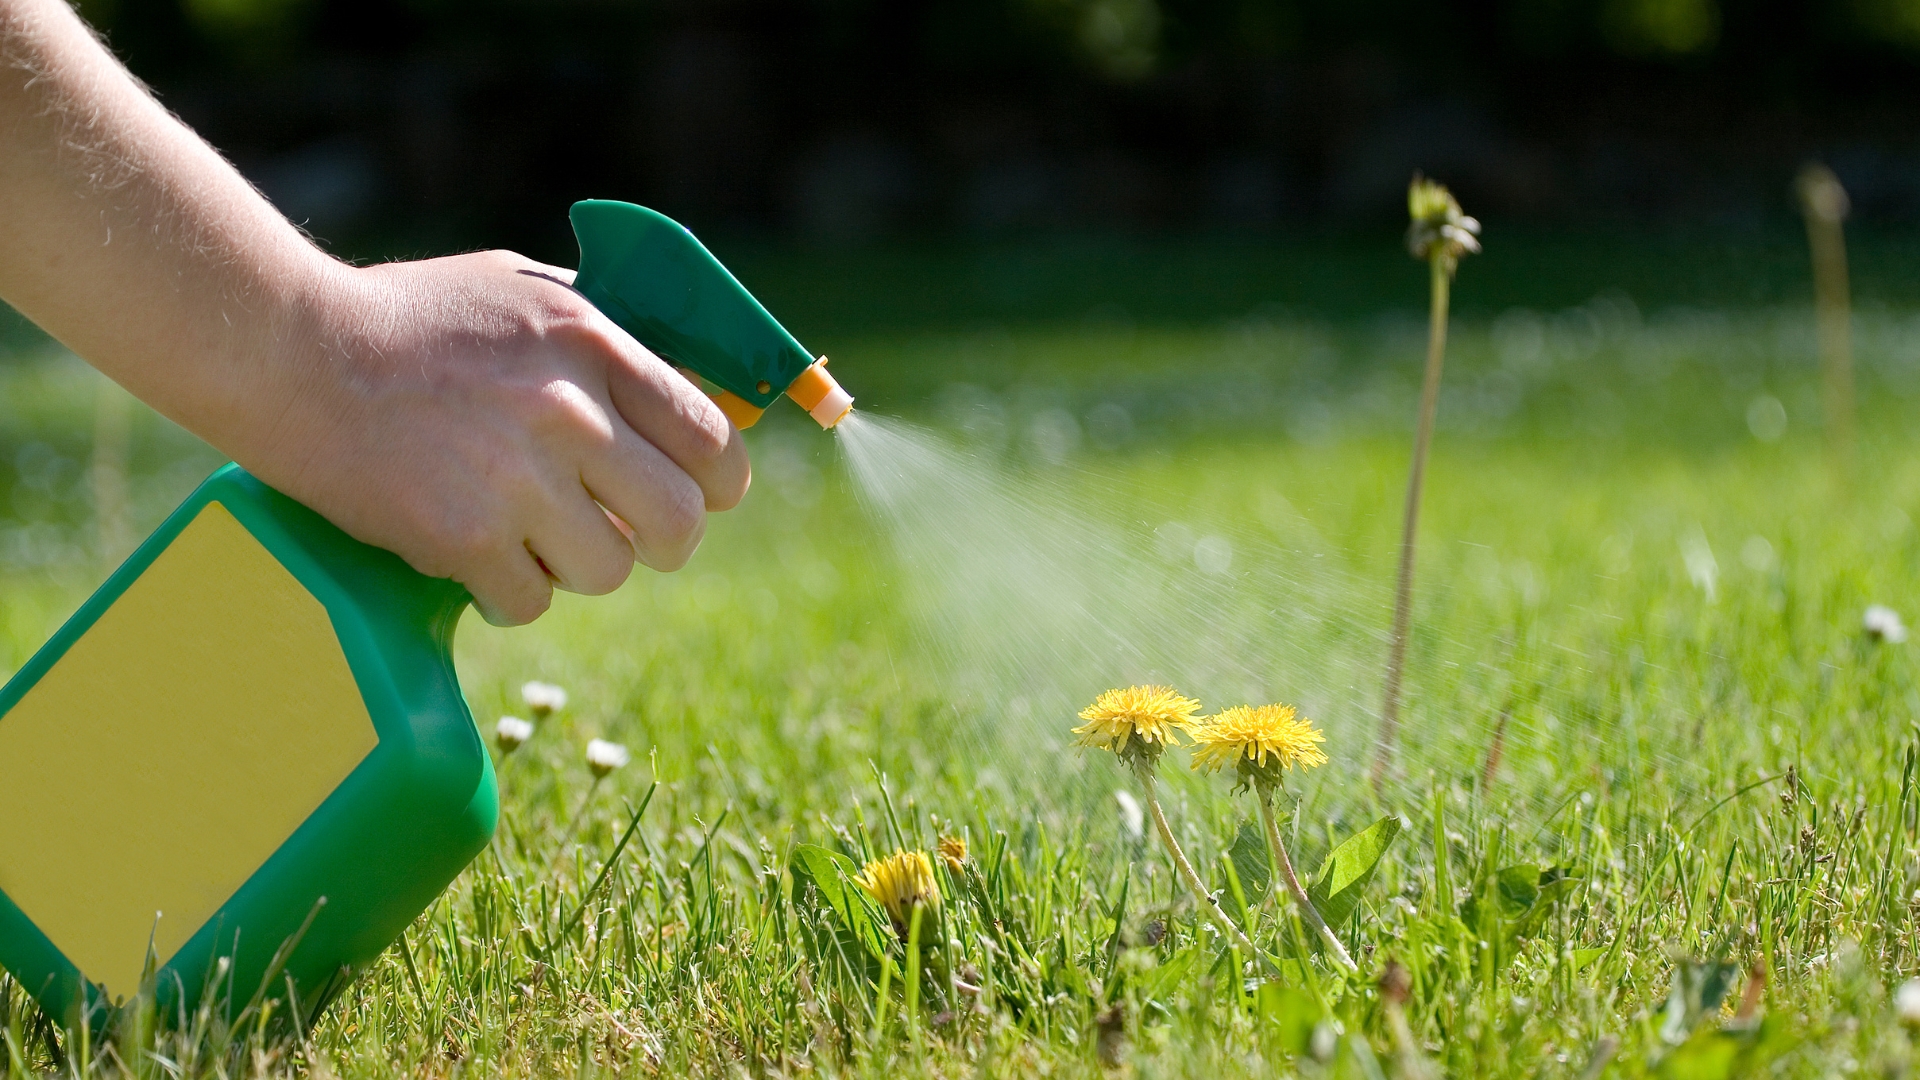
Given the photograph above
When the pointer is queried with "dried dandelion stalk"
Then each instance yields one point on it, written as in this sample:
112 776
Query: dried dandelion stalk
1439 234
1824 204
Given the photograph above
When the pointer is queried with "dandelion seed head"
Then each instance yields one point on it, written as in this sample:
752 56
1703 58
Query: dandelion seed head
543 699
899 883
1882 623
1259 741
604 757
511 731
1137 723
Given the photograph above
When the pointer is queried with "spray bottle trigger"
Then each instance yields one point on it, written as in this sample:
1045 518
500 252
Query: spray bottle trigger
742 412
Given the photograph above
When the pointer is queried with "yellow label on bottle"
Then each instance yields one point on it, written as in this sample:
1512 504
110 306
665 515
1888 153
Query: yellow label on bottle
173 748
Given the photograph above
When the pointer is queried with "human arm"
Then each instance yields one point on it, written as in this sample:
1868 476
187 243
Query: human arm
473 414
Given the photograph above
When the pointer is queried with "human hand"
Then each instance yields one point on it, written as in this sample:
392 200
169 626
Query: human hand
482 420
473 414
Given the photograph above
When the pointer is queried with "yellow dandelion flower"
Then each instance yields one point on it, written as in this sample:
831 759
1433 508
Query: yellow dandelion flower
901 882
1258 740
953 852
1141 719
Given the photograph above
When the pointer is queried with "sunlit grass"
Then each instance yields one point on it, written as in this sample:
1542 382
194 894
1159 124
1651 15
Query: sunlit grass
1621 768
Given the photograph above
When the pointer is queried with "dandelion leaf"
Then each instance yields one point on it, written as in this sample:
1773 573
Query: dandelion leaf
1290 1014
824 879
1251 862
1344 875
1706 1058
1160 983
1716 1052
1696 993
1511 904
1517 888
1554 884
1519 898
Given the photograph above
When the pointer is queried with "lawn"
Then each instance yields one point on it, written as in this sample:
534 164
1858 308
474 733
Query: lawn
1654 803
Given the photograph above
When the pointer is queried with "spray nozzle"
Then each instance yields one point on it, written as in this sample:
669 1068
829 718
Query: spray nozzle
819 393
649 275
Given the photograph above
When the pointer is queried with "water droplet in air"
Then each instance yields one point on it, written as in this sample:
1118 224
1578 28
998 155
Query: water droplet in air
1173 541
1767 418
1109 425
1213 554
1052 435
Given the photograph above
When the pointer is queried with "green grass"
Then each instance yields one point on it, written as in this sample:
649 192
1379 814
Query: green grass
783 691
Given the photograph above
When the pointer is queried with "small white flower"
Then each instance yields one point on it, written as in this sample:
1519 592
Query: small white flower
1133 821
1882 623
510 732
1906 1002
1701 565
603 757
1325 1041
543 698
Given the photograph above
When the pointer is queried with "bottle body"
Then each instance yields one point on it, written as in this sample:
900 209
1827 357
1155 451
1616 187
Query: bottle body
249 744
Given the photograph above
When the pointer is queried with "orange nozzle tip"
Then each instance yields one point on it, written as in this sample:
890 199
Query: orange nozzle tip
821 395
742 412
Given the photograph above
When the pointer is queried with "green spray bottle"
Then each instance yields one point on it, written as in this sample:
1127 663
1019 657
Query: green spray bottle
245 765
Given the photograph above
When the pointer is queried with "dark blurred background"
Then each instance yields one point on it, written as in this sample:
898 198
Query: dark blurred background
1056 213
413 126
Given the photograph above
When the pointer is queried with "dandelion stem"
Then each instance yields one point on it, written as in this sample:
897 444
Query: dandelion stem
1495 751
1395 986
913 977
1823 202
1284 867
1409 531
1186 872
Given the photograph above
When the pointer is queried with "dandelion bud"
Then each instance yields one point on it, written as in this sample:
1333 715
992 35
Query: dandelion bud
604 757
953 852
1821 195
1882 623
1396 983
1906 1002
510 732
899 883
1429 202
543 699
1438 228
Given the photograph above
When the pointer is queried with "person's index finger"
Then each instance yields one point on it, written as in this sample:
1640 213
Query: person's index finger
670 411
